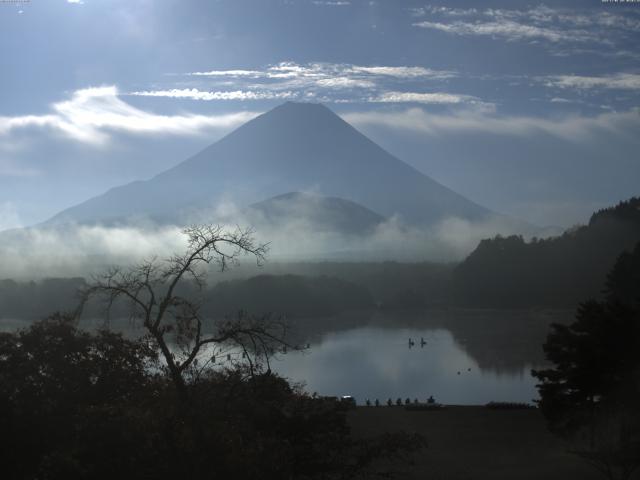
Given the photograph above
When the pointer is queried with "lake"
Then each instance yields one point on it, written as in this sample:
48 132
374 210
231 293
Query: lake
373 362
469 357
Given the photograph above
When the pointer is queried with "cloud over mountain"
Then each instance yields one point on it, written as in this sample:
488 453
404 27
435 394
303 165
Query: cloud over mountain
92 114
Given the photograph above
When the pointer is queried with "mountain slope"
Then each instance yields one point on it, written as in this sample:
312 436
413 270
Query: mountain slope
294 147
314 212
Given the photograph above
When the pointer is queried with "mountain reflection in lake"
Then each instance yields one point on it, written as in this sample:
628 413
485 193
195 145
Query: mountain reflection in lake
374 362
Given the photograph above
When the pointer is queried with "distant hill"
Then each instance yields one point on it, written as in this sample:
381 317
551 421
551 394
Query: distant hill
294 147
560 271
287 295
315 212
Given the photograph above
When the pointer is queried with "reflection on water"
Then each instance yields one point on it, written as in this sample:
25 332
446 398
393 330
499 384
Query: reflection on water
375 362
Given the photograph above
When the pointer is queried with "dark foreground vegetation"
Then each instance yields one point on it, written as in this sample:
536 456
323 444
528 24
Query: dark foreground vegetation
75 405
591 395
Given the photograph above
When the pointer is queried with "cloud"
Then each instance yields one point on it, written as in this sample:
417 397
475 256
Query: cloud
574 128
195 94
618 81
448 240
81 250
439 10
403 72
92 114
413 97
599 18
328 74
228 73
561 100
344 82
507 29
541 23
329 82
330 3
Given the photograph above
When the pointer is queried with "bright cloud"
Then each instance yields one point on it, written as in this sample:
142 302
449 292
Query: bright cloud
331 82
326 71
507 29
91 114
344 82
412 97
195 94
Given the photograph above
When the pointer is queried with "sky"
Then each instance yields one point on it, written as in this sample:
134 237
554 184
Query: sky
530 109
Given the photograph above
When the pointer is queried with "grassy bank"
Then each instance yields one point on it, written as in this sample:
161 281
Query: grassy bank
476 443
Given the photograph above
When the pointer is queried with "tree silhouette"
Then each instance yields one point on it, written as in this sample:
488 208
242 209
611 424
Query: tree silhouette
158 299
591 395
58 385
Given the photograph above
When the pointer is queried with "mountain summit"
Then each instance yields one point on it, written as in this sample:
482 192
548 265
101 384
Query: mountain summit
293 147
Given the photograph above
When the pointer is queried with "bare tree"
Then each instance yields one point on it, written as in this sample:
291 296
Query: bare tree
173 320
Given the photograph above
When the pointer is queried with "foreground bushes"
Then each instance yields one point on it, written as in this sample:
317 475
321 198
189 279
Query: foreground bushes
76 405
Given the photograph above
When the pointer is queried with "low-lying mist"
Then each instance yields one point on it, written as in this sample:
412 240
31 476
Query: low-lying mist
81 250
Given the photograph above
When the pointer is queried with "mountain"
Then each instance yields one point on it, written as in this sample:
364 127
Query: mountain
294 147
555 272
315 213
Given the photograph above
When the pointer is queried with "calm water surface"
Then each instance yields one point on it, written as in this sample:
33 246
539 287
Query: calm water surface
374 362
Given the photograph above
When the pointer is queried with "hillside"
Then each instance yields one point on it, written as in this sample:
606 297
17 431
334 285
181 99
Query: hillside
290 295
560 271
314 212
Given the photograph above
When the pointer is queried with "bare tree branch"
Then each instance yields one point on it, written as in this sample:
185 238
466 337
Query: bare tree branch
173 321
